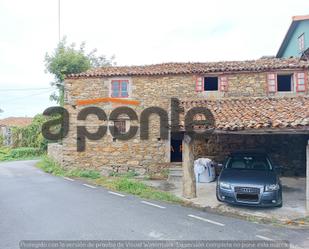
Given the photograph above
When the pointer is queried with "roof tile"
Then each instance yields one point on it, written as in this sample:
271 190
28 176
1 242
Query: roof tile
196 68
255 113
16 121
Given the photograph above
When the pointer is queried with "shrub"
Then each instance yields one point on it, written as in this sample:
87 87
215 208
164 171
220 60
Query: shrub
31 135
1 141
24 152
7 154
4 153
20 153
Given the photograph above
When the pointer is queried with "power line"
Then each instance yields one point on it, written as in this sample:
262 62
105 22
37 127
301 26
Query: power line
23 89
24 97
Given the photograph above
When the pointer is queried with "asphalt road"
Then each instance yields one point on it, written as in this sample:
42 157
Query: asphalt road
38 206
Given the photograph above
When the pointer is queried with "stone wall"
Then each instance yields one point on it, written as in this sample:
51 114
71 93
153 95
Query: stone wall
55 151
144 156
288 151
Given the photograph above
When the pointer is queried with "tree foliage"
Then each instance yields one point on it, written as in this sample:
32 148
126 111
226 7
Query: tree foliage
31 135
67 59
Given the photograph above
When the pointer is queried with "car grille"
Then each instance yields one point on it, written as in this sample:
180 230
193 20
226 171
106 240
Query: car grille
247 194
247 197
247 190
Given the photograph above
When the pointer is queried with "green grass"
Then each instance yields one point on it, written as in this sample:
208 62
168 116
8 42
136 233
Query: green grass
50 166
135 187
22 153
122 183
129 174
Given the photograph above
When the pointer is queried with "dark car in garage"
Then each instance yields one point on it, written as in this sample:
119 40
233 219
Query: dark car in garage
249 178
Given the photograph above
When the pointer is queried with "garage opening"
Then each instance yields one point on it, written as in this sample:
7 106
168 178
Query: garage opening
289 151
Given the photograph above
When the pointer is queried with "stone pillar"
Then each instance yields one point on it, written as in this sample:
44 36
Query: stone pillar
307 180
188 181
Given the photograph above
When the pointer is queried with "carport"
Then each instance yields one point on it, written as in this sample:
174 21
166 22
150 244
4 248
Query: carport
280 126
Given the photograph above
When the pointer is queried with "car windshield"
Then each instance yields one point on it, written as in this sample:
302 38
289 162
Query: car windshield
252 162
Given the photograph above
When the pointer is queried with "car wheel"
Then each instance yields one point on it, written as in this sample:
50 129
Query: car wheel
280 198
280 205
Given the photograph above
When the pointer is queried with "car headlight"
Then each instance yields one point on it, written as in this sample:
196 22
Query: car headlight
272 187
225 185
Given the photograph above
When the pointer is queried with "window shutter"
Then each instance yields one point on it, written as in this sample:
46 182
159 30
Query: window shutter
223 84
272 83
199 84
300 79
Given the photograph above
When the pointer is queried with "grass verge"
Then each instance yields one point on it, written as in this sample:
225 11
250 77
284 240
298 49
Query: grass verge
22 153
50 166
122 183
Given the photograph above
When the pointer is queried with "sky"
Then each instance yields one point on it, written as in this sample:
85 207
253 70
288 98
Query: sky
137 32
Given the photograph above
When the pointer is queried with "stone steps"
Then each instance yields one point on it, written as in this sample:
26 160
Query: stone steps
175 172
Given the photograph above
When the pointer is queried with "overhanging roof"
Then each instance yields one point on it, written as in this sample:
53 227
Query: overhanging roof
260 65
288 114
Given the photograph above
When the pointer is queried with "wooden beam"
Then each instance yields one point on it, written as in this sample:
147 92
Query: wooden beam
259 131
304 130
189 185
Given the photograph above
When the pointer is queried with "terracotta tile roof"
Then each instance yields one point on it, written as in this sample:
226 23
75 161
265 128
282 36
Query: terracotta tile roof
15 121
254 113
196 68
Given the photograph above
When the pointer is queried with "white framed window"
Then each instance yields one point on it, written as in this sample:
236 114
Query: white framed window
301 42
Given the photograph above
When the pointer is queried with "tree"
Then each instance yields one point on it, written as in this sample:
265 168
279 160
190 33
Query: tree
67 59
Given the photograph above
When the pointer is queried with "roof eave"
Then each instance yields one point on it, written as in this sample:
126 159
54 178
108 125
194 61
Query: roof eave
286 38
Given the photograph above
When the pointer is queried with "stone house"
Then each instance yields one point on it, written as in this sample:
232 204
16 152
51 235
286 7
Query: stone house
7 124
257 104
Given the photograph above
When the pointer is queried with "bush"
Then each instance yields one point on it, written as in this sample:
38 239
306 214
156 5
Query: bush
25 152
4 153
7 154
31 135
1 141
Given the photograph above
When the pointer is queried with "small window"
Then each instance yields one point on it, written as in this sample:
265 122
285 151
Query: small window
284 83
120 126
211 84
301 43
119 88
